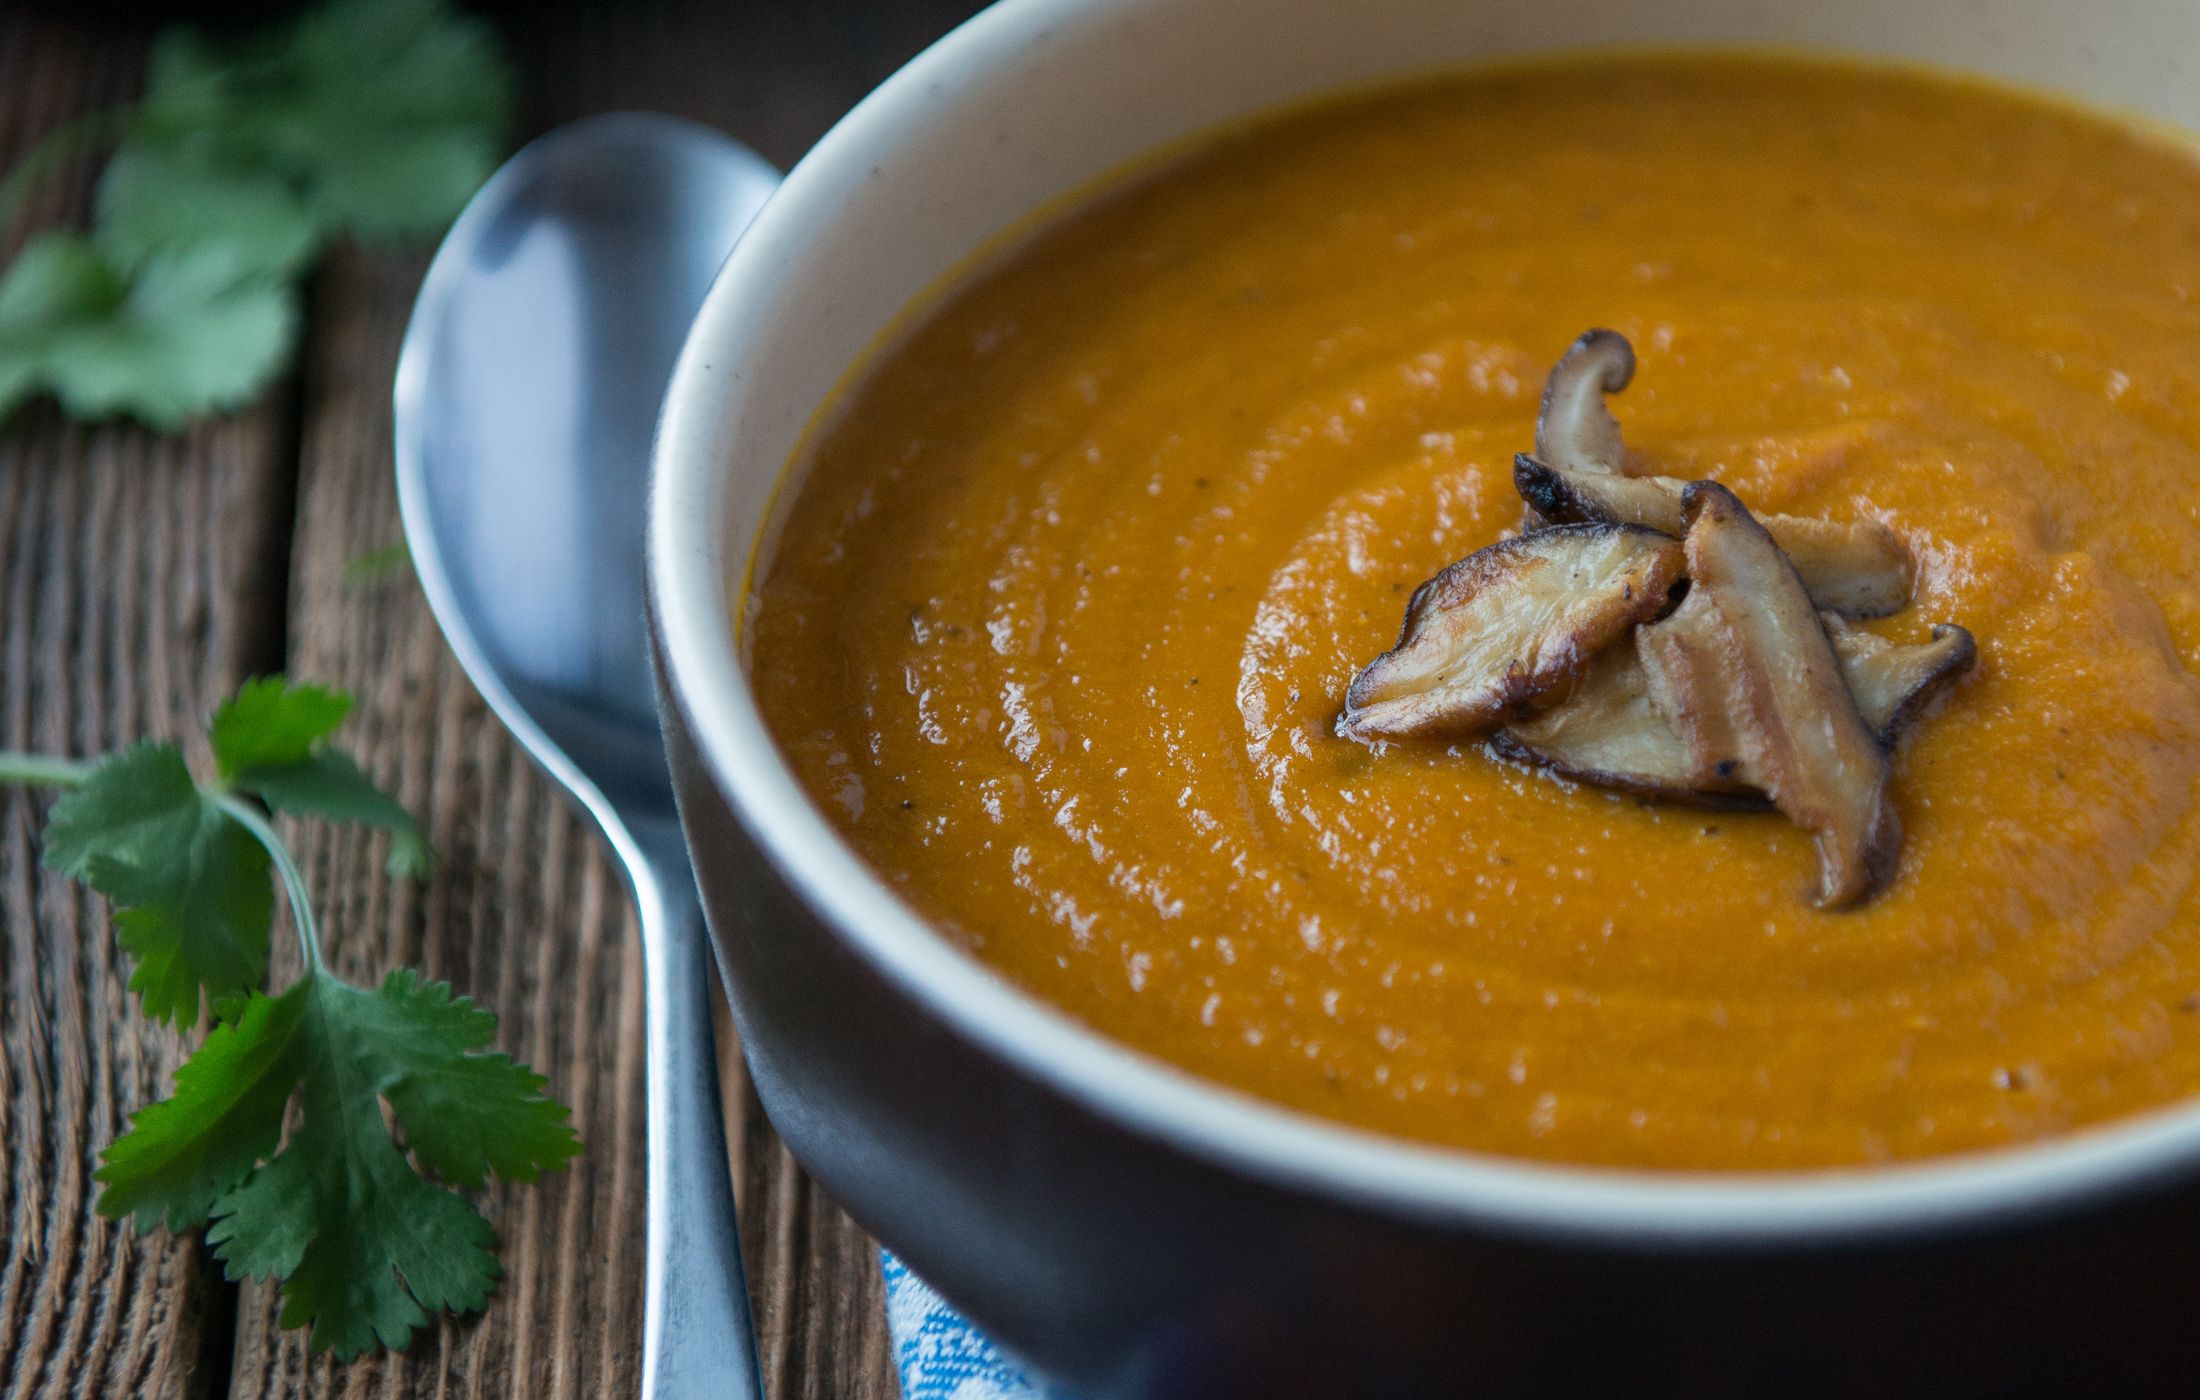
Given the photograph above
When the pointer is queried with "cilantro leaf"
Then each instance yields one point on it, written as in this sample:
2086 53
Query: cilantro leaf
365 1245
270 741
205 929
126 809
191 888
465 1115
193 328
56 280
328 784
383 115
151 199
269 721
373 117
198 330
184 1152
402 1103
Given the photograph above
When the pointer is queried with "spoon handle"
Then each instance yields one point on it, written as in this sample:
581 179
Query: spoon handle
697 1337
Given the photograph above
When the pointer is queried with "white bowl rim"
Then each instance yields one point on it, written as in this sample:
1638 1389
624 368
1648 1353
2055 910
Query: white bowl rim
689 588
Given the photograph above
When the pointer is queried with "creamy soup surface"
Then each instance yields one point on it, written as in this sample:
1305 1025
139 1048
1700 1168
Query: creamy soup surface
1075 577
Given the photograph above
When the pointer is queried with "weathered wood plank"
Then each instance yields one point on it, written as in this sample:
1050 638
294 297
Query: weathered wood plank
138 584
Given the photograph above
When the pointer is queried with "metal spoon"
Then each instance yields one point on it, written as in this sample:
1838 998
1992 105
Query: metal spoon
527 391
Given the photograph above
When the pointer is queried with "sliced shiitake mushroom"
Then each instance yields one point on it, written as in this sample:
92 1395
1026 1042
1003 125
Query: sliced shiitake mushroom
1690 678
1579 474
1753 691
1894 683
1570 495
1606 733
1857 569
1495 635
1860 569
1744 672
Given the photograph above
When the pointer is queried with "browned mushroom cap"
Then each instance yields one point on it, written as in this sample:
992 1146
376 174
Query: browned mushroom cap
1744 672
1860 569
1494 635
1606 733
1894 684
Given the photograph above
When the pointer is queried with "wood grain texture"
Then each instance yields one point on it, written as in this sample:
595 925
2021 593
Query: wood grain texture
136 579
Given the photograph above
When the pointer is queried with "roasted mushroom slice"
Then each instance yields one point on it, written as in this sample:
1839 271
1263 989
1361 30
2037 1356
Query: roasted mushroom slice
1744 672
1689 680
1609 733
1494 635
1859 569
1579 475
1568 496
1606 733
1576 435
1894 683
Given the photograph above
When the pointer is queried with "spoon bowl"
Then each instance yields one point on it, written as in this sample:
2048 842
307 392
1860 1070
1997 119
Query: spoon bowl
527 392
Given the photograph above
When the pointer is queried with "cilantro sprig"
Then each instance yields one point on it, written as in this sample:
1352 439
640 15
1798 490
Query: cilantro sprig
373 118
359 1212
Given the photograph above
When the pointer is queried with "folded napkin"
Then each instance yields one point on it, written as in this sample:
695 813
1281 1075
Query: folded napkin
940 1355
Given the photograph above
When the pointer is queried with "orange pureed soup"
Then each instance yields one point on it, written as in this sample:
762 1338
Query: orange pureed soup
1075 577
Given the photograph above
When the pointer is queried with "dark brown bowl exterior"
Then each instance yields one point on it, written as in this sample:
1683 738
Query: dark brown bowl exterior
1124 1266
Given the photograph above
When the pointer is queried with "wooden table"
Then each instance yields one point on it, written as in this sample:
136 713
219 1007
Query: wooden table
141 577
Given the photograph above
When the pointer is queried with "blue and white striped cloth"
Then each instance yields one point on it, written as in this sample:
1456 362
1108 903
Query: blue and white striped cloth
940 1355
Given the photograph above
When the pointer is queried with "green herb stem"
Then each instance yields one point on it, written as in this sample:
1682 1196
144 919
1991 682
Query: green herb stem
294 880
40 770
